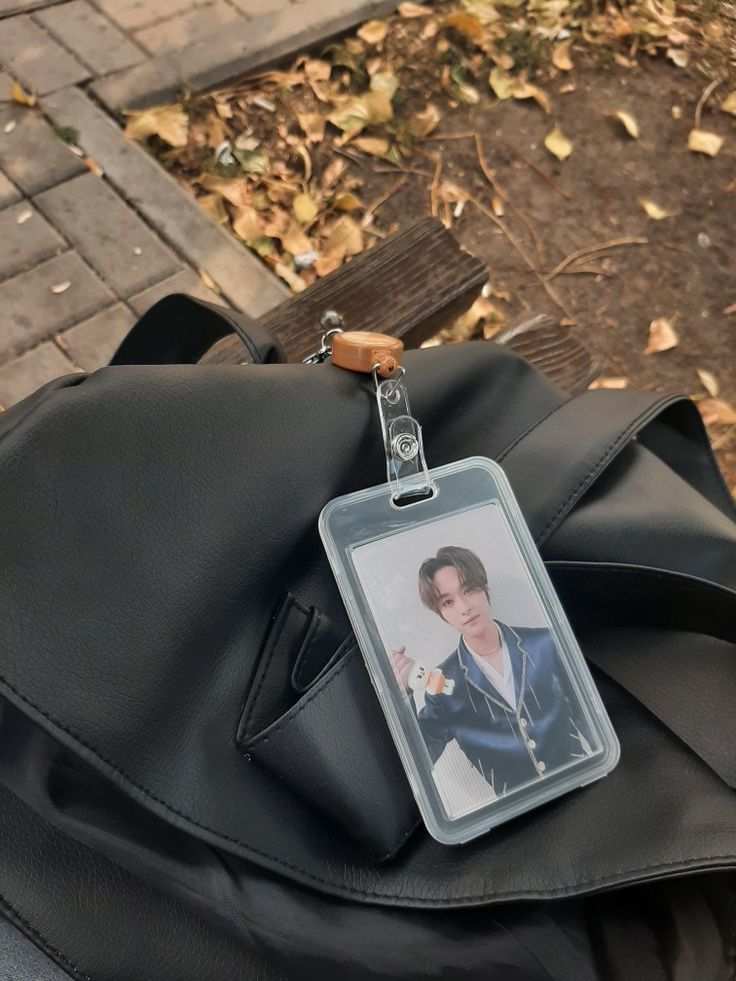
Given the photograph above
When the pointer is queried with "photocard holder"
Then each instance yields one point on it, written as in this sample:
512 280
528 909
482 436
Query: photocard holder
486 693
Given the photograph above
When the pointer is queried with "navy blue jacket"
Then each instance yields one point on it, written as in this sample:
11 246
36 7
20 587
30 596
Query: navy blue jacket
507 746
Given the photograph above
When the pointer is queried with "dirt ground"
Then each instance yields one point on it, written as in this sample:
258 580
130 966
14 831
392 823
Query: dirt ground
303 185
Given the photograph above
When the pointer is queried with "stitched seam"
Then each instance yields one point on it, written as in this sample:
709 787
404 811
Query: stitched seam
41 941
394 848
602 461
513 443
682 580
304 658
262 739
731 858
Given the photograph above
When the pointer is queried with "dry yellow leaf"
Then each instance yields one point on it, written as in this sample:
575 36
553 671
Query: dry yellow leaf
346 237
214 207
662 336
465 23
729 310
561 56
317 70
305 209
613 382
18 94
328 263
373 31
717 411
709 382
413 10
361 111
701 141
313 125
293 280
169 123
208 281
729 103
521 89
376 146
654 211
423 123
467 323
247 223
500 82
384 82
629 123
347 201
61 287
678 56
294 240
234 190
558 144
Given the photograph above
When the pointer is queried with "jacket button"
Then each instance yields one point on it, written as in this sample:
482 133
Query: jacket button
531 744
541 766
522 723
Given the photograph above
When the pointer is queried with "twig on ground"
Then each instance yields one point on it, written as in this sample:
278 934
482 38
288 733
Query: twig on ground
518 248
716 444
435 184
491 178
351 157
447 136
402 170
707 92
537 169
591 250
372 208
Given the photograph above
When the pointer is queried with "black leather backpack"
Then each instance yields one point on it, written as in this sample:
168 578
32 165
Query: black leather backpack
196 780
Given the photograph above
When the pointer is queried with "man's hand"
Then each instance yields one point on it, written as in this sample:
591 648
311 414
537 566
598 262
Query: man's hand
402 667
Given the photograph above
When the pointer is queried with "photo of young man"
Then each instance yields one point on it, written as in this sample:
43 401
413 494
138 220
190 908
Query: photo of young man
501 694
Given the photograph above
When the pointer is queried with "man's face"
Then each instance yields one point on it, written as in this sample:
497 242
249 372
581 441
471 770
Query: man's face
466 608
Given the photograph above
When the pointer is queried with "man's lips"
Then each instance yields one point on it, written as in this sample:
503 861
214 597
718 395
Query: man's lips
471 620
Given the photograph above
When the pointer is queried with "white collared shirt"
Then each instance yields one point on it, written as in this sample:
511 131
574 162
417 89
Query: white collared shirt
503 682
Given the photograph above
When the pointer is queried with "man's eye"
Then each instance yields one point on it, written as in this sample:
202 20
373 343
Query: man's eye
447 602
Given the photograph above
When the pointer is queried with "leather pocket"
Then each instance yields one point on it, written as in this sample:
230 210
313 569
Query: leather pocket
313 720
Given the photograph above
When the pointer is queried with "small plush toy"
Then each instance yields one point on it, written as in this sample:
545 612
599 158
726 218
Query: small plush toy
433 682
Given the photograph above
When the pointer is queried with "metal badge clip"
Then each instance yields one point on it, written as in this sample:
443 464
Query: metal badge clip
406 466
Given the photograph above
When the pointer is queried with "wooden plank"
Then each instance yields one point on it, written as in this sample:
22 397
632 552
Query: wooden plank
411 286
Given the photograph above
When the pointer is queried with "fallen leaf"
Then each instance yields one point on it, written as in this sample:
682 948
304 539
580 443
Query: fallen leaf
332 173
247 224
93 167
208 281
61 287
467 324
24 216
373 31
561 56
214 207
654 211
628 122
717 411
567 89
730 310
729 103
465 23
313 125
18 94
10 126
294 280
328 263
662 336
413 10
317 70
501 82
253 161
294 240
521 89
234 190
385 82
558 144
484 10
608 382
678 56
709 382
169 123
701 141
497 206
376 146
346 237
347 202
457 88
363 110
423 123
305 210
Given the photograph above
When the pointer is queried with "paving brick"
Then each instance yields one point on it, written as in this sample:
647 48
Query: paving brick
23 245
35 59
133 14
32 312
92 37
186 28
30 371
257 8
33 156
231 51
92 343
167 207
110 236
186 281
6 87
8 192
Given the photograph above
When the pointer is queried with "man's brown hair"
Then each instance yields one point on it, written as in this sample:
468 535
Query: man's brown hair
470 570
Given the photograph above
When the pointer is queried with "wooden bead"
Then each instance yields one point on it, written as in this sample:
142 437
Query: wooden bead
362 350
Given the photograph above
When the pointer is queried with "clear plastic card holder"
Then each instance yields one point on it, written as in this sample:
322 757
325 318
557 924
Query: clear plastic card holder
486 693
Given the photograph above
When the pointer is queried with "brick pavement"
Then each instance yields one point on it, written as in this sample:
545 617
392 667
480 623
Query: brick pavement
86 250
